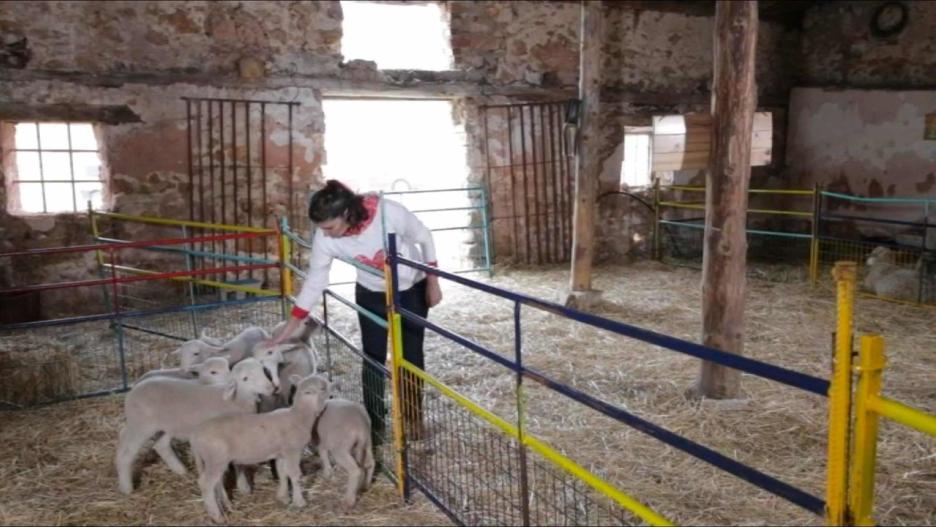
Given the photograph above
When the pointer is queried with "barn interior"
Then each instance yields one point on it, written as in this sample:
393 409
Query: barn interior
679 239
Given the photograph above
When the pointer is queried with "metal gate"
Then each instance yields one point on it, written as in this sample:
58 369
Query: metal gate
529 174
234 166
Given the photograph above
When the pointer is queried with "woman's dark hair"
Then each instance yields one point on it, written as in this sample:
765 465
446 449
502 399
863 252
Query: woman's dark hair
337 200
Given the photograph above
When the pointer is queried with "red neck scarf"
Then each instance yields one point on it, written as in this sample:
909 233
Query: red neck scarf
370 204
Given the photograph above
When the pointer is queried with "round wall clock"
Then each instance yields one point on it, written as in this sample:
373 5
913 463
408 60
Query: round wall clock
889 19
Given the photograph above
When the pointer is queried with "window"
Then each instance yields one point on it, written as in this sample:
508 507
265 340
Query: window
636 166
56 167
396 36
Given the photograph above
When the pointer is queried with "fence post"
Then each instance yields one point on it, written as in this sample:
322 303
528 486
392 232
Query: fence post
396 368
118 321
488 250
191 283
864 452
656 220
521 447
814 240
840 395
285 272
328 360
924 250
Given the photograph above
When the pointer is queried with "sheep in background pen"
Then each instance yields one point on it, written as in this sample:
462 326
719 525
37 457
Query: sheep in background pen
175 407
250 439
887 279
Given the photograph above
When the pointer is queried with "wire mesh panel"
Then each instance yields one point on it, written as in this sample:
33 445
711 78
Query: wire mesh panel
780 230
467 465
898 231
50 363
482 476
350 370
558 498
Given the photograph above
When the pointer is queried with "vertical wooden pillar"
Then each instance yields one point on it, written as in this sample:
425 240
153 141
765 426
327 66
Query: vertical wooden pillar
587 163
734 98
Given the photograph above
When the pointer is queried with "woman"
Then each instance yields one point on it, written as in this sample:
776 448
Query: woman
350 226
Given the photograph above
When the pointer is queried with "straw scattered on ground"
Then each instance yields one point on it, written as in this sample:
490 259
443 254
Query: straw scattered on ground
57 466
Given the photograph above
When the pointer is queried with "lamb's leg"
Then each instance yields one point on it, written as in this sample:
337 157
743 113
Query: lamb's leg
326 463
293 469
282 492
163 447
128 446
368 464
345 460
243 484
208 482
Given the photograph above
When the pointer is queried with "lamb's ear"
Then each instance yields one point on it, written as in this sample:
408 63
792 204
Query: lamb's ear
230 391
295 379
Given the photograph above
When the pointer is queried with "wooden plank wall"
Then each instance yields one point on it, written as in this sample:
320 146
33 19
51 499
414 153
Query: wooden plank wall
682 142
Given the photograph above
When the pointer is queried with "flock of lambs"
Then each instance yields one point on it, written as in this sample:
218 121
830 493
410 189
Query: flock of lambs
241 403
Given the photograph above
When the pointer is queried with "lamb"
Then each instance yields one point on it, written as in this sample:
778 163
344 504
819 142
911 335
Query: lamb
303 334
236 349
887 279
244 345
344 431
298 359
195 351
176 406
249 439
215 370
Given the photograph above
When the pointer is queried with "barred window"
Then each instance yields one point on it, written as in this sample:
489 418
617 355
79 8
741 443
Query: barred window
54 168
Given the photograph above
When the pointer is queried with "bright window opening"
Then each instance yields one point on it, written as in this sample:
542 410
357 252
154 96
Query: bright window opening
396 36
385 145
637 165
54 168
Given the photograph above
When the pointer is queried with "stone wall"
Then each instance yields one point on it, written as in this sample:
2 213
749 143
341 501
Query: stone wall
147 56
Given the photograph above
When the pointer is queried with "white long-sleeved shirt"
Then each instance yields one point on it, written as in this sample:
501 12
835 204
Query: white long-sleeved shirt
414 241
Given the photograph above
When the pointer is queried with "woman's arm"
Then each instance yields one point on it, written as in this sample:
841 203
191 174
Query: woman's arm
312 287
412 229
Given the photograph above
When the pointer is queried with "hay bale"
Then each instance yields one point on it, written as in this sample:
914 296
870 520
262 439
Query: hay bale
34 374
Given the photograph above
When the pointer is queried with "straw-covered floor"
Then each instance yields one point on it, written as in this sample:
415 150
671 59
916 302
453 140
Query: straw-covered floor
56 466
774 428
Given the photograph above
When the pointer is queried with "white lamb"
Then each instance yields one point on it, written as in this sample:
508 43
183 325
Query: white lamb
249 439
215 370
244 345
344 431
887 279
302 334
195 351
176 406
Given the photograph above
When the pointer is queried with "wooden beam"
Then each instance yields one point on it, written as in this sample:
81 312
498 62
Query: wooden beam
587 163
23 111
724 261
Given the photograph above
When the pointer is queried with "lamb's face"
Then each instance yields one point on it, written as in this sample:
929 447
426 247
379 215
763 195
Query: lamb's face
880 254
270 357
215 370
249 374
193 352
312 390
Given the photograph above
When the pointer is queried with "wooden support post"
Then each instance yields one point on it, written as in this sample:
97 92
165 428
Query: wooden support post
723 265
587 166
